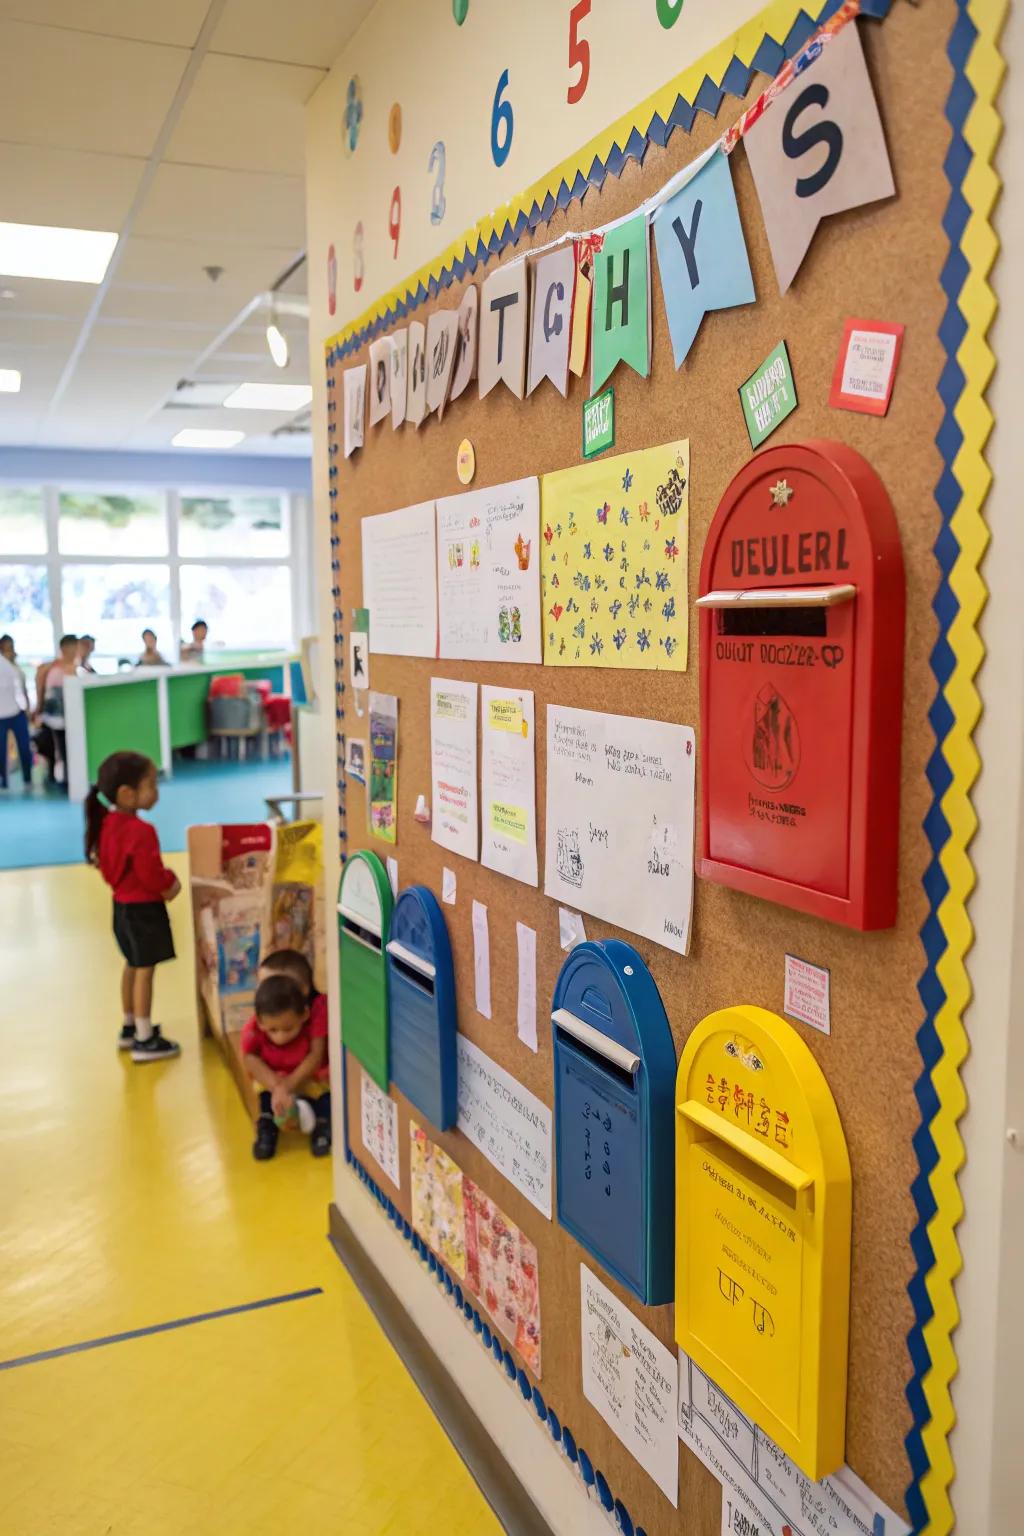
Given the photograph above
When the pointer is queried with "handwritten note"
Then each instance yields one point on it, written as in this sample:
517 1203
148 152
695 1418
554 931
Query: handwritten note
481 959
378 1114
487 566
453 766
807 994
620 821
526 1005
399 587
760 1482
509 839
508 1123
630 1377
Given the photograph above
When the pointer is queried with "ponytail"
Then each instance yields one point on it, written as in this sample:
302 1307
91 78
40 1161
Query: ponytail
118 771
95 815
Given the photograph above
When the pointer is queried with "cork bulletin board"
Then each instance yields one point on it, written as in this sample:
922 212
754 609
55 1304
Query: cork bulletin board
883 261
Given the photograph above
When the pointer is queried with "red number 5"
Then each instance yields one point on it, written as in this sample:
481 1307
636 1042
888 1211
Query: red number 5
579 52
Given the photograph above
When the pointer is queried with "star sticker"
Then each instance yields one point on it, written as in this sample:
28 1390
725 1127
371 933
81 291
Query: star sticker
781 491
627 480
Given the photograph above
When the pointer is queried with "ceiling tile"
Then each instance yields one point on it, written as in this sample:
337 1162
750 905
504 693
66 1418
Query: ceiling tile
60 186
75 91
179 264
145 21
245 115
301 32
211 308
34 298
207 204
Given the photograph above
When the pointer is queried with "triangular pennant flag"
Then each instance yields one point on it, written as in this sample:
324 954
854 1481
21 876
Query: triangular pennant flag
442 326
701 254
399 345
380 379
354 390
465 349
416 395
503 330
584 250
553 277
621 327
829 108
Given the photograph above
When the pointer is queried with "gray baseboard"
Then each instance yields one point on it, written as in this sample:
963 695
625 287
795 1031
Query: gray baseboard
498 1483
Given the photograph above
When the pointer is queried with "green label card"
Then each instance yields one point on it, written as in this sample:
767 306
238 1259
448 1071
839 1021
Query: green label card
768 396
599 423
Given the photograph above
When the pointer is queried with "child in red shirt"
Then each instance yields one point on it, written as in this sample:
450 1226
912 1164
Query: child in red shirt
284 1047
126 850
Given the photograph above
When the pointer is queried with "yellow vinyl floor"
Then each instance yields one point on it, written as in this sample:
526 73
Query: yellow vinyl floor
129 1198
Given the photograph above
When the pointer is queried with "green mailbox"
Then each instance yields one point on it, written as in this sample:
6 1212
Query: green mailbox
364 918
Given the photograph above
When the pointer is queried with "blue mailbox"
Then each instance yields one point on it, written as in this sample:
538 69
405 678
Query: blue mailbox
421 1006
615 1068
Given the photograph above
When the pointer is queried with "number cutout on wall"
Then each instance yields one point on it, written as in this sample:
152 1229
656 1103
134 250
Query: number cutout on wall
395 218
669 11
579 53
436 164
501 118
357 257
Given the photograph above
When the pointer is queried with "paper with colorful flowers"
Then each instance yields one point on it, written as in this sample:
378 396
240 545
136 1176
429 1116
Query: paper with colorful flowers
614 549
501 1272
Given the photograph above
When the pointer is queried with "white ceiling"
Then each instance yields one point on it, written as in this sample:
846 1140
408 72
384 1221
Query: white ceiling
178 123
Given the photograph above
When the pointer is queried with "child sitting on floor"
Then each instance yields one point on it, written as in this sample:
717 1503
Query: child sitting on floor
284 1047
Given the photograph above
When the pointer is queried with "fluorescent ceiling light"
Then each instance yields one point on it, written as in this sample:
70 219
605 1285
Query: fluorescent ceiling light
277 341
203 437
10 381
269 397
63 255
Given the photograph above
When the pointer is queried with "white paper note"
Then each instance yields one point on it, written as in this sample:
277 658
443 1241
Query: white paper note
399 587
807 994
526 1005
619 837
508 791
380 379
488 566
359 659
760 1480
508 1123
630 1377
398 346
570 929
448 886
379 1127
393 875
481 959
354 390
453 774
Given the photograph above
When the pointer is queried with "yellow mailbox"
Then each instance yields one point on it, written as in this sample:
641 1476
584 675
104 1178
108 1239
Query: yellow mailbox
763 1230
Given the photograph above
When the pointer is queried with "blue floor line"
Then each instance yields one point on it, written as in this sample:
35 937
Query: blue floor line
141 1333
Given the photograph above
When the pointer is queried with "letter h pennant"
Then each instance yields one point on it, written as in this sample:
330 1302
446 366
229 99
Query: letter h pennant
622 302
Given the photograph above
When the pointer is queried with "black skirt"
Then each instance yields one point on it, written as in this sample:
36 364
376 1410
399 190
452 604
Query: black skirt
143 932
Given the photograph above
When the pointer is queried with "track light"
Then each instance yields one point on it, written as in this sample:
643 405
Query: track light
277 342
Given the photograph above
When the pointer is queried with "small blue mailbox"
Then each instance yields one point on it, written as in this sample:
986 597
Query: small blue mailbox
421 1006
614 1123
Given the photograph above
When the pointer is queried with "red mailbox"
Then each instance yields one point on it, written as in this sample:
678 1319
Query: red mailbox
801 678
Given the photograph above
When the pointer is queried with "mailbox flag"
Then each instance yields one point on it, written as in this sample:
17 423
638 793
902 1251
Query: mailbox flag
702 257
554 277
818 149
503 330
622 302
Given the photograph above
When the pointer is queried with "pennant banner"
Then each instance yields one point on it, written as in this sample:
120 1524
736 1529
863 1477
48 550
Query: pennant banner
584 249
503 330
354 391
621 328
465 348
416 407
820 150
442 326
702 257
380 380
399 343
553 278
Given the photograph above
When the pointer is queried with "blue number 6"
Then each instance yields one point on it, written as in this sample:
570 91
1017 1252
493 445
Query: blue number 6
501 113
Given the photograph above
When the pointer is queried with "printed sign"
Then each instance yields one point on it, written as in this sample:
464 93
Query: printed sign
619 839
807 994
631 1379
866 367
506 1122
488 587
399 588
509 838
599 423
768 396
383 796
379 1127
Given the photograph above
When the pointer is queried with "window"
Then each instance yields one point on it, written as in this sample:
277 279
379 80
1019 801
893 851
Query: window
25 609
95 524
246 606
116 601
22 521
245 527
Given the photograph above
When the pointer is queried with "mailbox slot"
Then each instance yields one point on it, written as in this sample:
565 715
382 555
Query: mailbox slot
364 916
591 1044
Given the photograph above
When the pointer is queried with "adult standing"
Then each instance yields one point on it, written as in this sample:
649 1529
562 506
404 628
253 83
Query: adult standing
13 712
52 738
86 646
197 649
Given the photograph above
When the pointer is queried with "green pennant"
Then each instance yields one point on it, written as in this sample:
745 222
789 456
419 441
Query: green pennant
622 308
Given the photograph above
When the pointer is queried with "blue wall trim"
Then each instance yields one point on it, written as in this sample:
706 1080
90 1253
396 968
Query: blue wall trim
237 471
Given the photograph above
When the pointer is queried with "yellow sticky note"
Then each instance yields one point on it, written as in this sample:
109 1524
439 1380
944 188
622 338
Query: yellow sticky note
506 715
509 821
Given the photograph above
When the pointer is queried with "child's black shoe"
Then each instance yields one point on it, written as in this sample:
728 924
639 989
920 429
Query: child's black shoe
265 1145
320 1141
126 1039
156 1048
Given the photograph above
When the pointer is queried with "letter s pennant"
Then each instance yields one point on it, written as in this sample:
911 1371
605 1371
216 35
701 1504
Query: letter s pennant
818 149
702 257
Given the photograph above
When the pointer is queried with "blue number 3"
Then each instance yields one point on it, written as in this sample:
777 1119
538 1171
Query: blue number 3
437 203
501 115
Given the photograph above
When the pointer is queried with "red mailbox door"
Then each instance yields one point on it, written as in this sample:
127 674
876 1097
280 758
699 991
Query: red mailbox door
801 634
